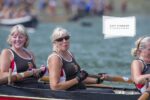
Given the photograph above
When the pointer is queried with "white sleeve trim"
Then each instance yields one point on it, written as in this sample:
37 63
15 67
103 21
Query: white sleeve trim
54 54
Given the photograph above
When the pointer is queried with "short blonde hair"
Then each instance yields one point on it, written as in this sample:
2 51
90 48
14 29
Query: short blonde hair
21 29
58 33
139 45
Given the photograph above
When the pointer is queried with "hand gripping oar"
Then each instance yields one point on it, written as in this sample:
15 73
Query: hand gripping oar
19 76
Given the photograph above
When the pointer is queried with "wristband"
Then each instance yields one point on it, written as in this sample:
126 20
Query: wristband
78 79
98 81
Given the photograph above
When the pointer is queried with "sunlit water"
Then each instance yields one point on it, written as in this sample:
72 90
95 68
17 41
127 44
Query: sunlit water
94 53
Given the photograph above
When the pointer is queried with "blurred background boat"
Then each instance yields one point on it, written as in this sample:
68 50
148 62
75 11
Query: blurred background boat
27 21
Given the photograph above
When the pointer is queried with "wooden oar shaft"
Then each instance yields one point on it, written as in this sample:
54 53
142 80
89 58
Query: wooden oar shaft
115 78
144 96
9 76
120 79
45 79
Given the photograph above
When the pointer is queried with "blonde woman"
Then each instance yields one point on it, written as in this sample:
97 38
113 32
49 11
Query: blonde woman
64 71
140 67
18 57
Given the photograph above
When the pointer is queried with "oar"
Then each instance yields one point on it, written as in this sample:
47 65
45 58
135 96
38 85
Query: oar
18 76
44 79
116 78
9 76
109 78
144 96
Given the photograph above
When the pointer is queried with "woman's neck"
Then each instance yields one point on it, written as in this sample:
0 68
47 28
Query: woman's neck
17 50
65 55
147 61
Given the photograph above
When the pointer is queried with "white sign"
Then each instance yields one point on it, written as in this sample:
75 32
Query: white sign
119 26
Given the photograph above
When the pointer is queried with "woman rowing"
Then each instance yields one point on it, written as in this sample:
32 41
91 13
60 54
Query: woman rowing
64 71
18 58
140 67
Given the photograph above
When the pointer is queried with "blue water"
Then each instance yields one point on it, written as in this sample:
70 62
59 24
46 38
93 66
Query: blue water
94 53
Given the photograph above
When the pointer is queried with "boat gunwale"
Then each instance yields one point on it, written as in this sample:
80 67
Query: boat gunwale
60 94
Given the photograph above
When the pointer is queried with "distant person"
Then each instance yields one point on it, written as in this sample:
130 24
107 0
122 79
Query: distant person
109 6
67 6
64 71
123 5
42 4
52 7
99 7
19 58
140 67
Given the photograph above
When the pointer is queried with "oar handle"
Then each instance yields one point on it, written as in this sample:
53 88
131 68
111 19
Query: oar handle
9 76
44 79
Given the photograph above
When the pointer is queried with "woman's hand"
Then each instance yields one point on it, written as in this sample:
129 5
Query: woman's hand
43 70
81 75
39 73
103 76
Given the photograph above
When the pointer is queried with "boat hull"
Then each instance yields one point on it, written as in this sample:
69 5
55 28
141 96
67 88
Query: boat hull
33 94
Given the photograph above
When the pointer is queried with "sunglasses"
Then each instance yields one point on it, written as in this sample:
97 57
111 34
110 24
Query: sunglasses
61 39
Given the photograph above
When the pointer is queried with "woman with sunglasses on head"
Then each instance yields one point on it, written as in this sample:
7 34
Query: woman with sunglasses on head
18 58
140 67
64 71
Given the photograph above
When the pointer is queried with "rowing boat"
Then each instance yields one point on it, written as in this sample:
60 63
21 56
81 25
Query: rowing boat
40 90
27 21
12 92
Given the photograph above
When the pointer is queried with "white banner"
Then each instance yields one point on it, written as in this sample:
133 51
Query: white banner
119 26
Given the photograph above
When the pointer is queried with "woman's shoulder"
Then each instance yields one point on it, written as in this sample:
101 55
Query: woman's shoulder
137 61
137 64
54 56
6 51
